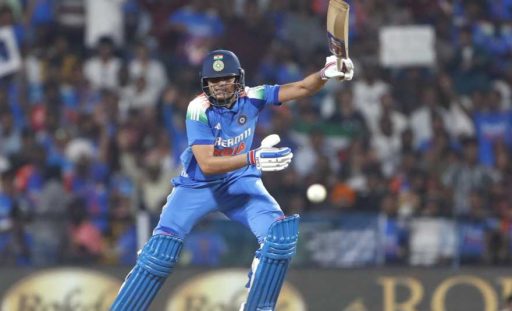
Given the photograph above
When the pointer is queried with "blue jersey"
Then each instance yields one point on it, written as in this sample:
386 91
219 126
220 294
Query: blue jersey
231 131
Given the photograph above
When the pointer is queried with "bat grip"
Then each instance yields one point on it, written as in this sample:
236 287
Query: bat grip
339 63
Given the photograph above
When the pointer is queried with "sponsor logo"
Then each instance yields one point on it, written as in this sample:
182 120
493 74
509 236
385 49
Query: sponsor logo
225 290
62 289
230 142
231 146
218 65
242 119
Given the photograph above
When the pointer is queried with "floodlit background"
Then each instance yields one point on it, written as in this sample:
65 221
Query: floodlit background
415 152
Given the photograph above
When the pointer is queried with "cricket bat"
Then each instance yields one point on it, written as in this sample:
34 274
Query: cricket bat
337 29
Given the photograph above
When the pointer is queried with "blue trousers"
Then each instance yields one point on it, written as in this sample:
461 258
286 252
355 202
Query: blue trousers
243 199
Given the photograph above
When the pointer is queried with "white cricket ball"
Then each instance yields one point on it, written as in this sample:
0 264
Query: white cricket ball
316 193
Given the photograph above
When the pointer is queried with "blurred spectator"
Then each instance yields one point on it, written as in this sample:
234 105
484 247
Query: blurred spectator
7 19
346 120
409 84
139 95
249 34
432 241
460 124
199 28
469 65
300 28
395 232
309 155
467 176
102 70
86 244
421 118
143 65
121 238
386 144
342 196
367 93
47 227
10 136
493 127
104 19
474 232
204 248
371 196
154 182
389 111
86 179
14 241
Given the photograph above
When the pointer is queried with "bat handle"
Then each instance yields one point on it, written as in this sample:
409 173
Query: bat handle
339 63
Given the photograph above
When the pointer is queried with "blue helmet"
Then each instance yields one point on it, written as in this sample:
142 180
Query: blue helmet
219 64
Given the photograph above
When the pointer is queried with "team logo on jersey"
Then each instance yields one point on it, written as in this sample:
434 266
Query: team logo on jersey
242 119
218 65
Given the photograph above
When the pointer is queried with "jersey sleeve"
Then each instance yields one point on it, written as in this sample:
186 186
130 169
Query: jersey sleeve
264 95
199 131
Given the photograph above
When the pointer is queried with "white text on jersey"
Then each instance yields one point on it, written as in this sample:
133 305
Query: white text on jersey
232 141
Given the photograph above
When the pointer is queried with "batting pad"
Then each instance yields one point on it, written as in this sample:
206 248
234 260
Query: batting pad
154 264
274 257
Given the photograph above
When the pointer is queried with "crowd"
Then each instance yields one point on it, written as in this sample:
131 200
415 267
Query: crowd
92 121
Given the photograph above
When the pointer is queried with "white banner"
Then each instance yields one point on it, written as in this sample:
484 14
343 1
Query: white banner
402 46
10 59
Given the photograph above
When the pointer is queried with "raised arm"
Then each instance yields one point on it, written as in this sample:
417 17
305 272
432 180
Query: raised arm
314 82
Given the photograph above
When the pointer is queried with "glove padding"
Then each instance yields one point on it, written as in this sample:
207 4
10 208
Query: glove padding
270 158
330 70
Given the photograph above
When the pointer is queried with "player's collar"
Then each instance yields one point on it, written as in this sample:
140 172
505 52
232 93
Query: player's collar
234 109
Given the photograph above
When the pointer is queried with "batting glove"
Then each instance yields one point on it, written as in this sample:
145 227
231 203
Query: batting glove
270 158
330 70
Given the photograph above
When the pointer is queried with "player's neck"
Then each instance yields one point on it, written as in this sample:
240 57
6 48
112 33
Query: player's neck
231 102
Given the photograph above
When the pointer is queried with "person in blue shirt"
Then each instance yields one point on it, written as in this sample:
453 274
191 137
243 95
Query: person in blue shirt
222 172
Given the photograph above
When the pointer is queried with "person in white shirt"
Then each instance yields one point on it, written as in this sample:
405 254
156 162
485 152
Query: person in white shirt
387 109
367 94
152 69
104 18
421 118
102 71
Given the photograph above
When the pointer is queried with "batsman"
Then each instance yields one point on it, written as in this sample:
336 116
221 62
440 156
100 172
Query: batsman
222 172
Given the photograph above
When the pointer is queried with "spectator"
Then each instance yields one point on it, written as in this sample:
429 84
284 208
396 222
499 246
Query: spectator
199 28
346 120
386 144
493 127
367 93
102 70
469 64
104 19
421 118
47 227
153 183
86 243
467 176
143 65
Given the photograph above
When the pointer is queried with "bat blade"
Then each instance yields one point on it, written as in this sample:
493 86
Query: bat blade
337 28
